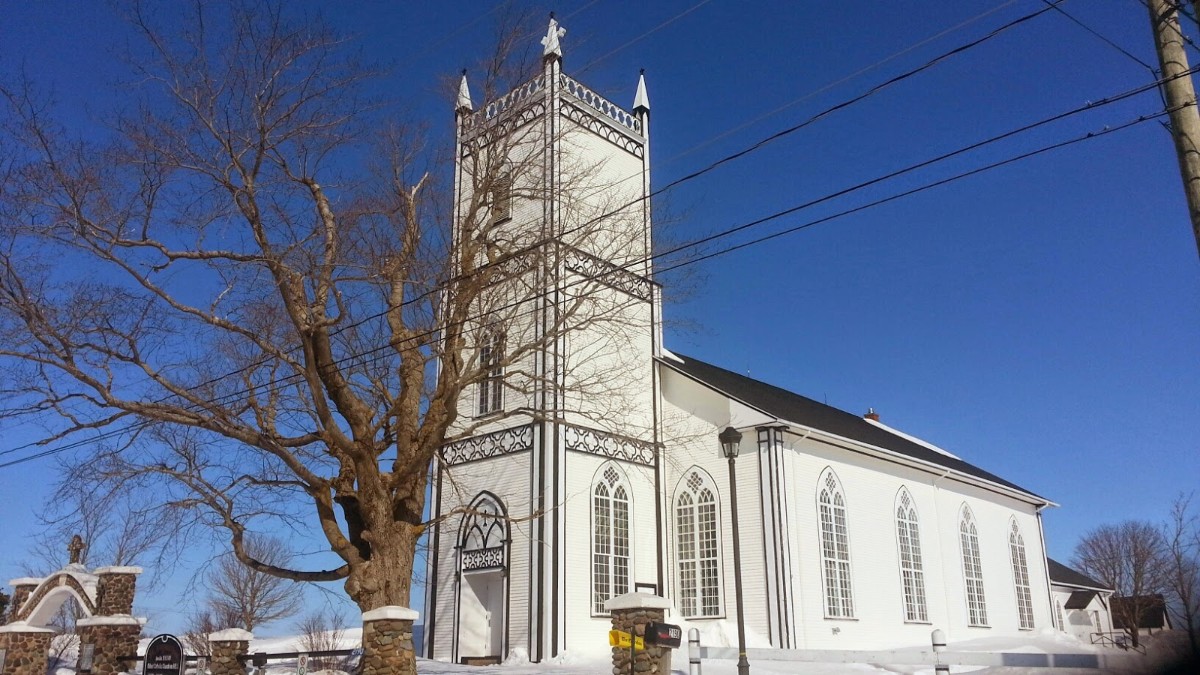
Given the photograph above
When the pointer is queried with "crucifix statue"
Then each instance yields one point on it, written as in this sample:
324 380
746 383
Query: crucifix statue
75 549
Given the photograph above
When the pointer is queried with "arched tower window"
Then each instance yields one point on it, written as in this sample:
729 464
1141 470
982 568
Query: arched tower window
1020 568
972 564
835 547
610 536
484 534
491 362
697 547
912 570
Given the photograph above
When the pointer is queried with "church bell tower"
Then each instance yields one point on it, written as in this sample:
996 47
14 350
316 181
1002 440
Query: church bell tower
546 497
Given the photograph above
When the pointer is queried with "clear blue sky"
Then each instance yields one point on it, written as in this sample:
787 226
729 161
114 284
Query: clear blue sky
1040 320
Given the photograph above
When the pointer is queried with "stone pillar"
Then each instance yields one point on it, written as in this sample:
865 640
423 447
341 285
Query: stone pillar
22 589
227 645
26 649
630 613
115 589
387 641
114 641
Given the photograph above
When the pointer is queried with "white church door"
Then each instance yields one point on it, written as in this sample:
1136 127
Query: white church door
483 583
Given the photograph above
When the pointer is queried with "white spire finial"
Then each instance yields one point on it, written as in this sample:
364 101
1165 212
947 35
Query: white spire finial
464 96
640 99
550 42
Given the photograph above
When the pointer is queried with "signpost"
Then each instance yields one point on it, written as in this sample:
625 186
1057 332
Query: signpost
302 665
164 656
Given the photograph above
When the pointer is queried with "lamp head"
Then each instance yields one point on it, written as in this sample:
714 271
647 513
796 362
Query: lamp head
731 440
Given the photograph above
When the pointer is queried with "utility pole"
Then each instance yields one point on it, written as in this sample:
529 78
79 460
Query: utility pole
1181 101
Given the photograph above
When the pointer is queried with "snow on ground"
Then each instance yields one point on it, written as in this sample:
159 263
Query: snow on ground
1163 649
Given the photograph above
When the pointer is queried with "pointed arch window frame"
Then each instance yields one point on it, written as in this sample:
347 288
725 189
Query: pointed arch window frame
971 561
490 394
612 537
486 516
1022 586
913 590
833 542
707 572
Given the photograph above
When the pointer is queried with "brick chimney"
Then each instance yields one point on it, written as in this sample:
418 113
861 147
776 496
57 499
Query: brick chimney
872 415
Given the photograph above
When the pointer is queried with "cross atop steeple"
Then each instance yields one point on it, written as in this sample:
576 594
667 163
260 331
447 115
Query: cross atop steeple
75 550
550 42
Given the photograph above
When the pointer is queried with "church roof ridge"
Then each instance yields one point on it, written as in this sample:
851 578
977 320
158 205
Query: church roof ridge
1067 576
789 406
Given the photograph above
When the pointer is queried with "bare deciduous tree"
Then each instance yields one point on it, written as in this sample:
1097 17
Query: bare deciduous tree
202 623
251 597
1130 558
322 631
254 285
1182 537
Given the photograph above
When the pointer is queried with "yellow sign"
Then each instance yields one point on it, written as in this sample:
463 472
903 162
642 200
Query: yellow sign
619 638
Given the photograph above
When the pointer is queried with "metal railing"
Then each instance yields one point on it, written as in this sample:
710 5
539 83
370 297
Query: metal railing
935 657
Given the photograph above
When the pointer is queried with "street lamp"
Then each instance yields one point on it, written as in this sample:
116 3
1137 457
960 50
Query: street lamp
730 444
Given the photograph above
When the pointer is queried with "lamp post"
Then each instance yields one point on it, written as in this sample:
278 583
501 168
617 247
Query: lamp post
730 444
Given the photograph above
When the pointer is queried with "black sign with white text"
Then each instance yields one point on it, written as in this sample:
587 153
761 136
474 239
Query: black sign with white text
164 656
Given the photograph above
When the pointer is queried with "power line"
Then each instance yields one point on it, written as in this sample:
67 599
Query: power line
1107 130
289 379
696 174
1102 38
842 80
643 36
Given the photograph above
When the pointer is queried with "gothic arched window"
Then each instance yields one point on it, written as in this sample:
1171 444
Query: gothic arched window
697 547
484 535
835 547
972 564
610 536
491 362
912 570
1020 568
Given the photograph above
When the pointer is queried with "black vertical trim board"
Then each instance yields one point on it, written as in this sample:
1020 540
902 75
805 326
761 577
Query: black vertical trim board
431 584
553 371
760 434
785 549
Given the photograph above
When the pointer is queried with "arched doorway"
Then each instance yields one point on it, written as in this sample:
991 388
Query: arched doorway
481 634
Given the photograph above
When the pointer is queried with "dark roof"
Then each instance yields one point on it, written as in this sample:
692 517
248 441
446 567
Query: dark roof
792 407
1152 611
1061 574
1079 600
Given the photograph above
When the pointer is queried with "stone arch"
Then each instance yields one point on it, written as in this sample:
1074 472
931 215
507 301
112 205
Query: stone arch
107 633
52 592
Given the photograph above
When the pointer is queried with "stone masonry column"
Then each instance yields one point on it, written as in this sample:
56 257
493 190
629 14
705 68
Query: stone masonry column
26 649
227 646
112 631
387 641
115 589
22 589
630 613
114 641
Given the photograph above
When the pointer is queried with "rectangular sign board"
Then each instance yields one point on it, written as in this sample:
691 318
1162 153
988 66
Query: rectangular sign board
87 654
621 639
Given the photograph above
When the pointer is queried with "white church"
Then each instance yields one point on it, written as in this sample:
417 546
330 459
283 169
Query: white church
588 463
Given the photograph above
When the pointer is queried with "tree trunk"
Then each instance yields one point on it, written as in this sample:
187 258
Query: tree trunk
385 580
